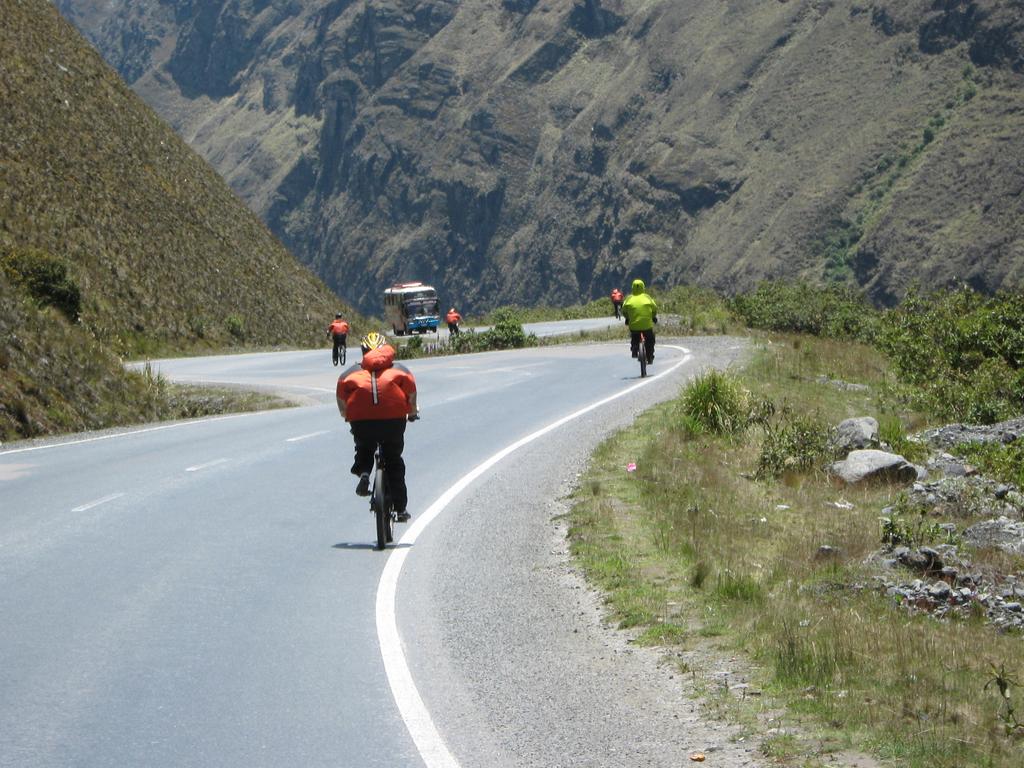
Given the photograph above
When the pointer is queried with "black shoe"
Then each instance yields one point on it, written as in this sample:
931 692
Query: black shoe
363 486
402 517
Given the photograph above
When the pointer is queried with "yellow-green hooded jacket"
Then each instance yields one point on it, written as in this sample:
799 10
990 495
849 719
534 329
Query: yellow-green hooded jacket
639 309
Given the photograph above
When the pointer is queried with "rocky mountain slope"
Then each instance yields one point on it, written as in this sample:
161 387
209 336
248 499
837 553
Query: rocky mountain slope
544 150
116 239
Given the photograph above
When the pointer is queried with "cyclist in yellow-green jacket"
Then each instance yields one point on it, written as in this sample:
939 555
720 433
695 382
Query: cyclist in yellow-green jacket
641 313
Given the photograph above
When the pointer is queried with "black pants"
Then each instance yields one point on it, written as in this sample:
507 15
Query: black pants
617 307
634 342
453 328
340 340
390 435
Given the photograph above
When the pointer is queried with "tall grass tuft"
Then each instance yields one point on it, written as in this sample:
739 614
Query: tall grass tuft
715 402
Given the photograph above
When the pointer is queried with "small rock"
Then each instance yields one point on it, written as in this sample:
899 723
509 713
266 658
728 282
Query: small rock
939 591
854 434
826 552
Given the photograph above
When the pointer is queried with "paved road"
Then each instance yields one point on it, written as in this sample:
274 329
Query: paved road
206 593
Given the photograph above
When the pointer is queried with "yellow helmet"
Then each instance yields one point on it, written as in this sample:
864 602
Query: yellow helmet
373 340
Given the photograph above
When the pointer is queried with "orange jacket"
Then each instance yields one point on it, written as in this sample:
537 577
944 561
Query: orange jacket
453 317
377 388
616 295
337 328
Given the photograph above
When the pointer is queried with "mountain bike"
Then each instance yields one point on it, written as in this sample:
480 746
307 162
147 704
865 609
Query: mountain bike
644 350
338 353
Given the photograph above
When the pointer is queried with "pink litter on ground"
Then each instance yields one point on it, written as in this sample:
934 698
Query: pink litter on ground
631 467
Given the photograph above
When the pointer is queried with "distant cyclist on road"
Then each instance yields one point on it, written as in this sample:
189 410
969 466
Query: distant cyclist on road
617 302
377 398
338 332
453 319
641 313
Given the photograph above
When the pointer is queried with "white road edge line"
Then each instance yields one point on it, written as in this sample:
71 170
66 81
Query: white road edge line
410 704
207 465
306 437
97 502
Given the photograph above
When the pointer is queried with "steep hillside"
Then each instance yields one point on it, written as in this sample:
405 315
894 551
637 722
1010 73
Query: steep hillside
116 238
542 150
163 253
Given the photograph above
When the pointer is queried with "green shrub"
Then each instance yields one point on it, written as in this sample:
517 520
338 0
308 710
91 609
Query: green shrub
793 443
837 246
908 524
1003 461
235 326
715 402
892 432
959 354
833 311
46 278
412 349
699 309
507 330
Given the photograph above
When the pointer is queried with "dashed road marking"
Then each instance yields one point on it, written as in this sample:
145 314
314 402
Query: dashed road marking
306 437
207 465
97 502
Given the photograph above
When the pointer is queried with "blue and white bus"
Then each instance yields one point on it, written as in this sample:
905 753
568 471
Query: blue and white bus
411 307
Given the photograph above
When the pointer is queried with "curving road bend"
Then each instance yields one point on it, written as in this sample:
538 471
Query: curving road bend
206 593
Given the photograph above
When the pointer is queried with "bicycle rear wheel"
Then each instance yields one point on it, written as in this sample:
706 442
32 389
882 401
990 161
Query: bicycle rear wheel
381 513
642 355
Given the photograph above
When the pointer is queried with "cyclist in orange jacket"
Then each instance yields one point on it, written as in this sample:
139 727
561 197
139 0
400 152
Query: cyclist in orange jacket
453 319
377 397
338 332
617 298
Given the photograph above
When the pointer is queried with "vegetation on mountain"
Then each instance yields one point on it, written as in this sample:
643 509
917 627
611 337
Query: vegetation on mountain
116 239
540 152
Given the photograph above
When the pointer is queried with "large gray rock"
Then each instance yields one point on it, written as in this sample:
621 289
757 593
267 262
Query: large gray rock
855 434
874 466
1004 534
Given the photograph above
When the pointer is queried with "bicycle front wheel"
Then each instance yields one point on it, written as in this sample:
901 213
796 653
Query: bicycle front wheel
381 513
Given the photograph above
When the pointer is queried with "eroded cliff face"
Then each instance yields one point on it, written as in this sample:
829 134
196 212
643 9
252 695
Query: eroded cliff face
543 150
